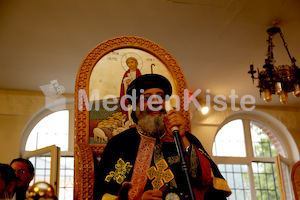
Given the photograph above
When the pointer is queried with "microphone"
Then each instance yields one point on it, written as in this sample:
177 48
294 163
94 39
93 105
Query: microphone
169 107
175 131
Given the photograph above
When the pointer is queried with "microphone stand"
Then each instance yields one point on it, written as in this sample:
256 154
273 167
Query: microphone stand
183 162
184 167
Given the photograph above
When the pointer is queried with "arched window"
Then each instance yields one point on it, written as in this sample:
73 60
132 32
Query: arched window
52 127
253 158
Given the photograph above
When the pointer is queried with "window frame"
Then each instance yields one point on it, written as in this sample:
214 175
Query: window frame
42 113
36 118
274 125
54 153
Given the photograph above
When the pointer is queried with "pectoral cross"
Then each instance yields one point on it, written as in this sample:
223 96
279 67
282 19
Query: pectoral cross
160 174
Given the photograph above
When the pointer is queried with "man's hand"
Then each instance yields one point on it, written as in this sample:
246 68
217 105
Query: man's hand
152 195
173 118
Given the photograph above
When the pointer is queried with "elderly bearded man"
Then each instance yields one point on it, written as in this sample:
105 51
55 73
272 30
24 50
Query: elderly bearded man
143 163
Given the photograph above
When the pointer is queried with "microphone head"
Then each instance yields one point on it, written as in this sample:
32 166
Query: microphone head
168 106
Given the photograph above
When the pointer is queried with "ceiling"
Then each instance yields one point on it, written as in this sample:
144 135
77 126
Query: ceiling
213 41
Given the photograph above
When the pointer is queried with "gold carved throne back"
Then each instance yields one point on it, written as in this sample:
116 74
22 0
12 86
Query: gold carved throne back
102 79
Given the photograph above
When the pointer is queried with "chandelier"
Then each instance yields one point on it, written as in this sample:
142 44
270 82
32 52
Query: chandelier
280 79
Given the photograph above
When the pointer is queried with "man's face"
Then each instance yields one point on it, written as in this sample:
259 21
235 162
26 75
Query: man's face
152 101
132 64
23 175
150 112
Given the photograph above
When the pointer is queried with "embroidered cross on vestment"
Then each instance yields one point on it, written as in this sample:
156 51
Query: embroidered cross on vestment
118 175
160 174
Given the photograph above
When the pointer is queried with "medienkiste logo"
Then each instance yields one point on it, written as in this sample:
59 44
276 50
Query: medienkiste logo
218 102
53 99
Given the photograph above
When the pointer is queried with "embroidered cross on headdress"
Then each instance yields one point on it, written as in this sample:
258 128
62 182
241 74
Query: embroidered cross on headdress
160 174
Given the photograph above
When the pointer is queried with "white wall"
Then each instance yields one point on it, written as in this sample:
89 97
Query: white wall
16 109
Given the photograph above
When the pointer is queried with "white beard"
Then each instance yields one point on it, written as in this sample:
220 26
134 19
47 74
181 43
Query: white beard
152 124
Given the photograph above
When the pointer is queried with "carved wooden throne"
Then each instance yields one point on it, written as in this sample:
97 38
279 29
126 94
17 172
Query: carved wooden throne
98 115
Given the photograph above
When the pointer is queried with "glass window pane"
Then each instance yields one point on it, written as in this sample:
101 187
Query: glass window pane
66 178
237 177
287 181
69 162
230 140
51 130
262 141
265 145
65 193
265 180
42 169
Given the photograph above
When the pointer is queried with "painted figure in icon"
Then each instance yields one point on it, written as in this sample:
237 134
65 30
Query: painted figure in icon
132 73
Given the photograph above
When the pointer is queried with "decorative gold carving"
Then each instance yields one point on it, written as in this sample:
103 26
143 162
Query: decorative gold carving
84 150
97 148
84 172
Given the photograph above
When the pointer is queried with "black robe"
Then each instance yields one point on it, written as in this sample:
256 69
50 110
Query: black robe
124 148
